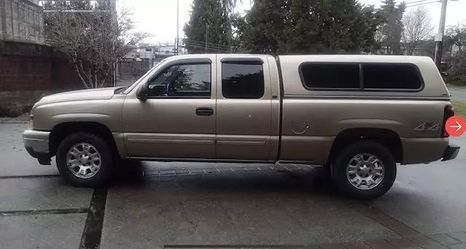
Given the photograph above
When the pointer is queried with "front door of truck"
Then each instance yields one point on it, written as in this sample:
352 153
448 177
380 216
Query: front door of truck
247 109
178 118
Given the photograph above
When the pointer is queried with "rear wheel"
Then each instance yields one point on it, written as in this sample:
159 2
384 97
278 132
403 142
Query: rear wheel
84 159
364 170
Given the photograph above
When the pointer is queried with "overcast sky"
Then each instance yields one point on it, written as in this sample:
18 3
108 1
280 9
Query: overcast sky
158 17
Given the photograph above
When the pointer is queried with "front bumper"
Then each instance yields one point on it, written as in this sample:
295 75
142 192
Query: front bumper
37 144
451 152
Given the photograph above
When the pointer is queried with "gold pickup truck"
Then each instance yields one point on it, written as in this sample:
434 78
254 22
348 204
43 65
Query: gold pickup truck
356 115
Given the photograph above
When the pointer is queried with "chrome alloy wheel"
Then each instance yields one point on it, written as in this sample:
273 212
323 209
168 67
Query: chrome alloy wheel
365 171
83 160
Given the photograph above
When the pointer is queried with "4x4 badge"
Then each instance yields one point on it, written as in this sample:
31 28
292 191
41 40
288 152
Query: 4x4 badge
428 126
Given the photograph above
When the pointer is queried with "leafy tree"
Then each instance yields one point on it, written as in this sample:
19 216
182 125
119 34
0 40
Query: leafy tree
262 29
305 26
76 4
67 5
392 28
210 27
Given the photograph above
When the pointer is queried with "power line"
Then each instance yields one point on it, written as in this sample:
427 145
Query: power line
421 3
414 2
209 46
75 11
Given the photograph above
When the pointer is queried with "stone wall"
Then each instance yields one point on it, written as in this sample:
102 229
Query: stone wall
15 103
30 71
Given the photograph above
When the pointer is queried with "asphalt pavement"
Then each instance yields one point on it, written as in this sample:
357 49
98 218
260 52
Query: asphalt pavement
458 93
208 205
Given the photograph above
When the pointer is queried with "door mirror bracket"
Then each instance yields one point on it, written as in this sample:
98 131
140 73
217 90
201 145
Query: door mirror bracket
142 93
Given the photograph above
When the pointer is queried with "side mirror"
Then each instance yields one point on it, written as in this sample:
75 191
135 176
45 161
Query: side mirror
142 93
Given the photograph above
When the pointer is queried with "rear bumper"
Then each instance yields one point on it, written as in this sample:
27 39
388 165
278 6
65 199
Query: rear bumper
423 150
451 152
37 145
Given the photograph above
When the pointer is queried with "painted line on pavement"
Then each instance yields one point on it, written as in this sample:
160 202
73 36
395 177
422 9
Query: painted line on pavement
234 246
28 176
43 211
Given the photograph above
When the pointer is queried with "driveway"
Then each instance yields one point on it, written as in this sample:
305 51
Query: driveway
200 205
458 93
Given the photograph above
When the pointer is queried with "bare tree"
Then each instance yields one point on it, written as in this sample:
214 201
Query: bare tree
457 35
417 27
456 45
93 41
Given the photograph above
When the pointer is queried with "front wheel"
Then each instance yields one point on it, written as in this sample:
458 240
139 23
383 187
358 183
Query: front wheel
84 159
364 170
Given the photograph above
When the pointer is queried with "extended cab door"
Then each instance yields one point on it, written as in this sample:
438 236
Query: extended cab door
247 108
178 118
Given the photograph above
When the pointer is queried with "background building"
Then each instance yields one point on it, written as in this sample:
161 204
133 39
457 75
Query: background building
140 59
21 21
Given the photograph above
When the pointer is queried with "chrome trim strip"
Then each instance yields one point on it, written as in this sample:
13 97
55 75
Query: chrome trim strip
163 159
169 141
368 97
154 138
242 140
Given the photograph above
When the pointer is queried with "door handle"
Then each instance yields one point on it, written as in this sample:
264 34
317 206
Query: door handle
204 111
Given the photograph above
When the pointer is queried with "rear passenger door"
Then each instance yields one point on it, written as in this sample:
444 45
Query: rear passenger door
245 115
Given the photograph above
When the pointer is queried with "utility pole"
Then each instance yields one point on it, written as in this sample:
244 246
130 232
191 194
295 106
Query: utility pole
177 27
206 36
439 36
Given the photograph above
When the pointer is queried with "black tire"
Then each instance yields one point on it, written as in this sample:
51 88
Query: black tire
103 174
342 160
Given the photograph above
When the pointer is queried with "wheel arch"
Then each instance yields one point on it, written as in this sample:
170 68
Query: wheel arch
60 131
386 137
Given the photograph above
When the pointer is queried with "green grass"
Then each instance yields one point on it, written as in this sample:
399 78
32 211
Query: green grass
456 82
460 108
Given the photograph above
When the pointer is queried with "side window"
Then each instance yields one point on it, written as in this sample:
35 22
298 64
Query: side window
391 76
330 75
184 80
242 80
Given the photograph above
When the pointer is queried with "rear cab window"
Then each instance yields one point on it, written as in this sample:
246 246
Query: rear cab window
242 80
361 76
